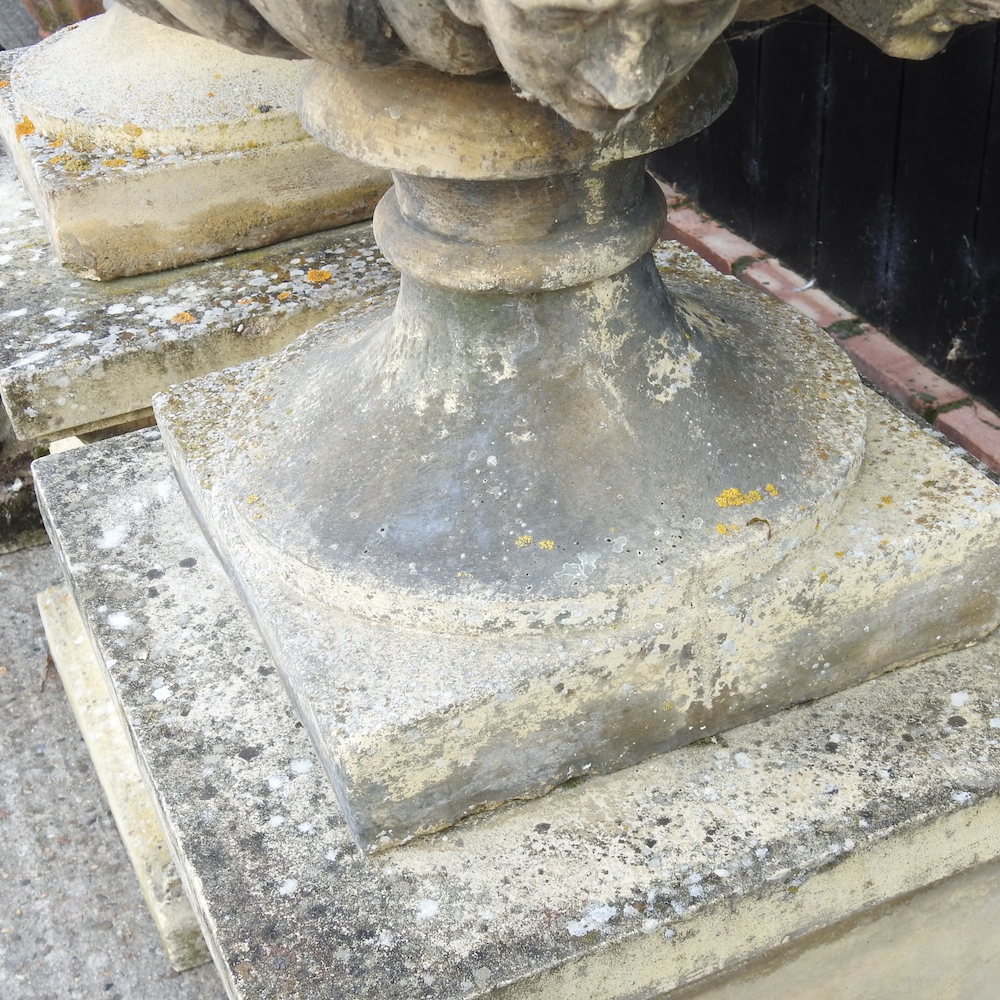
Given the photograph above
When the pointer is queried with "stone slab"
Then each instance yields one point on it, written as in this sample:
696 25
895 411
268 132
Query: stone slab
77 355
178 149
622 886
733 599
942 941
117 770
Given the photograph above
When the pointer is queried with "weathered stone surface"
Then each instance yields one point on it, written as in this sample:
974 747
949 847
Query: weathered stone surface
97 715
515 610
620 886
77 355
176 150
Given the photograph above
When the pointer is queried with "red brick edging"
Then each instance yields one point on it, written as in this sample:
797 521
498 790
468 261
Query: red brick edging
880 359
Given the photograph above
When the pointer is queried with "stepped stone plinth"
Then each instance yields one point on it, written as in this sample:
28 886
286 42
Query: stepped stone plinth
820 829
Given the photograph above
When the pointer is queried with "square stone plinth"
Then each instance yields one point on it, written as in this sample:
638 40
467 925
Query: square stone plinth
623 886
420 721
77 355
97 715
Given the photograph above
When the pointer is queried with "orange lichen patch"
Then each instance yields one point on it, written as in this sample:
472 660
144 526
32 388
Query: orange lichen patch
55 143
130 128
318 277
4 83
182 318
284 295
24 127
113 162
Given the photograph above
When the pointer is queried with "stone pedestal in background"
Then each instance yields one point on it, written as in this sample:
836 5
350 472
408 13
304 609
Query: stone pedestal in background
145 148
78 357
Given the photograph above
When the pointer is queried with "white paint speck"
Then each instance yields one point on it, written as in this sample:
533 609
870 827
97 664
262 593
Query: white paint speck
301 766
836 738
276 821
113 536
594 918
962 798
960 699
164 489
427 909
162 693
994 723
275 781
288 887
120 621
117 309
742 759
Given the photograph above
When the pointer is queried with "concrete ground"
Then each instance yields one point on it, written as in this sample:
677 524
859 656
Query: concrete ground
72 921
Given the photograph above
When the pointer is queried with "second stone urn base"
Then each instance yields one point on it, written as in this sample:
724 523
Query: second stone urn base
475 596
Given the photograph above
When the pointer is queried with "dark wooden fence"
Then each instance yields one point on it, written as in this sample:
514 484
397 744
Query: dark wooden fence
879 177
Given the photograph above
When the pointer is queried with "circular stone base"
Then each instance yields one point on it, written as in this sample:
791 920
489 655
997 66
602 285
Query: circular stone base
157 88
505 463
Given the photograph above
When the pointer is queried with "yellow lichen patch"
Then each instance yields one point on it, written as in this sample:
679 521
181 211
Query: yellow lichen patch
771 489
130 128
547 544
284 295
884 501
727 529
113 162
253 498
668 706
140 154
523 541
182 318
730 498
736 498
839 555
463 574
55 143
24 127
317 277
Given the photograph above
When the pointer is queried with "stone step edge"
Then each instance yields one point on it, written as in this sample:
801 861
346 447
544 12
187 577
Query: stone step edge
885 363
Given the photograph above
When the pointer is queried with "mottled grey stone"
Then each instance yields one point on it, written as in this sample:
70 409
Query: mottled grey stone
619 886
